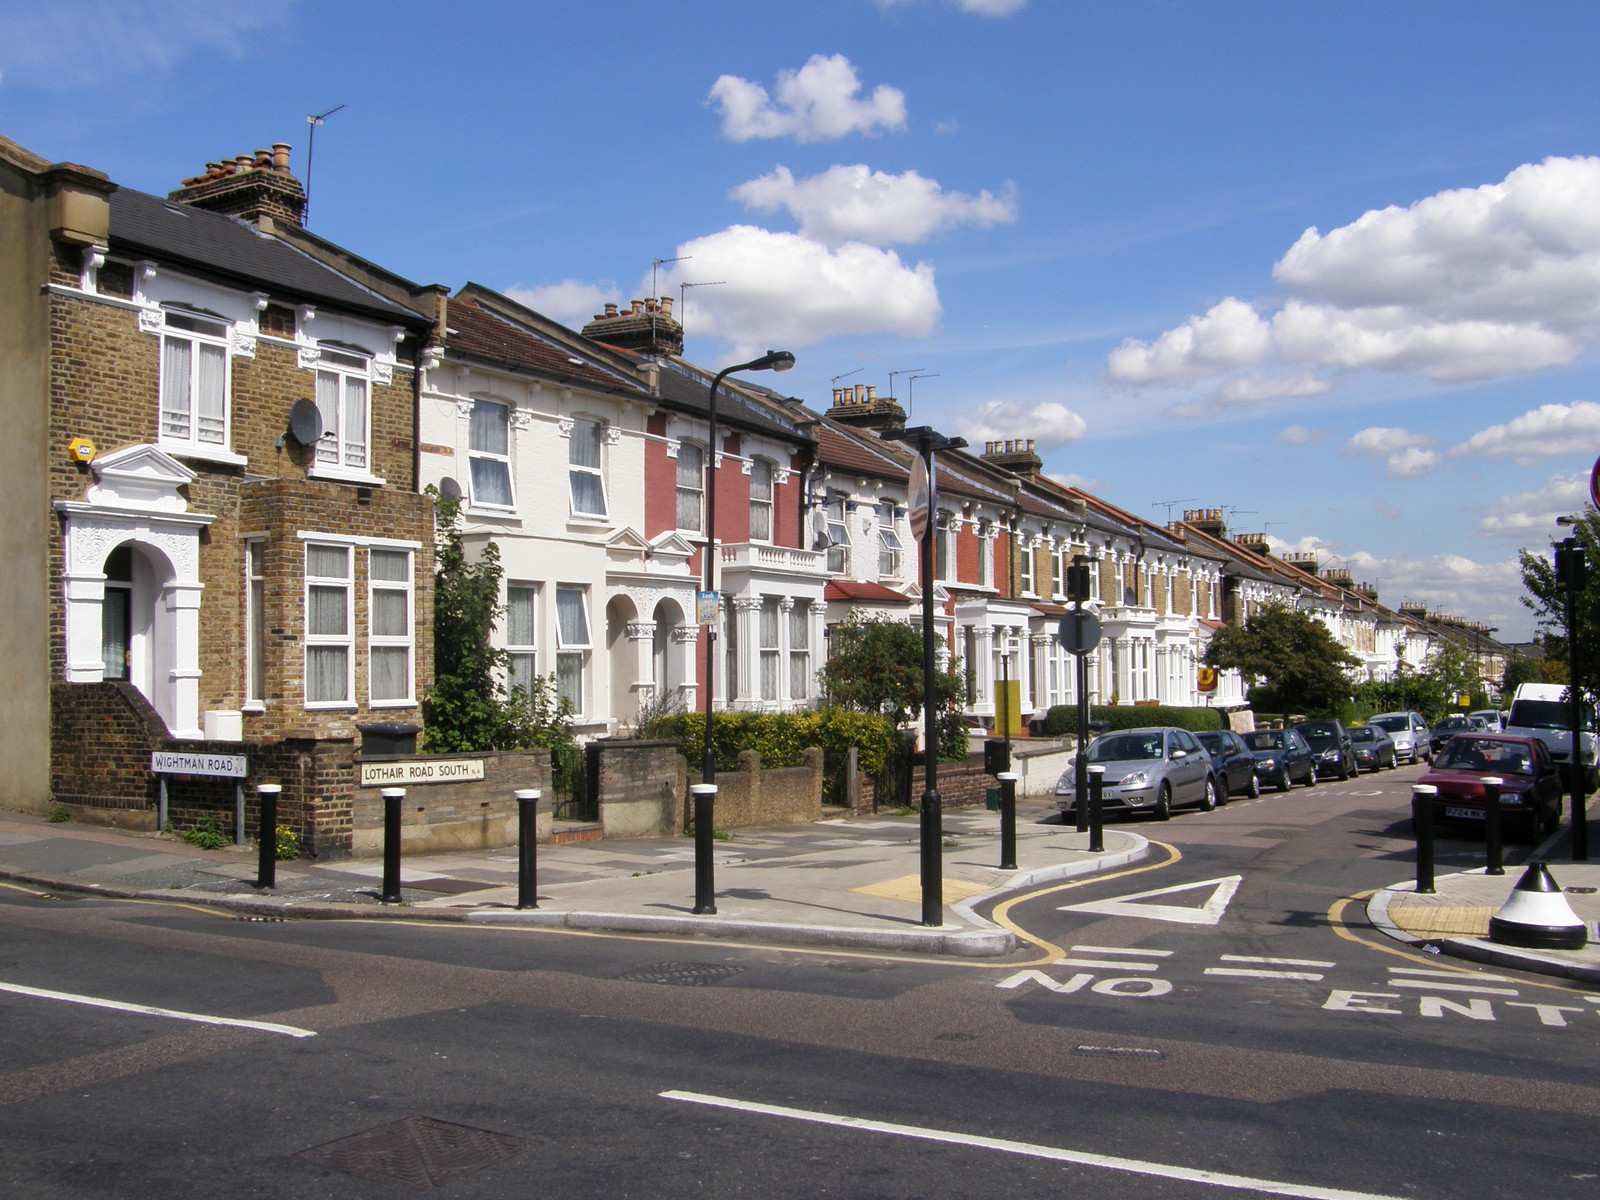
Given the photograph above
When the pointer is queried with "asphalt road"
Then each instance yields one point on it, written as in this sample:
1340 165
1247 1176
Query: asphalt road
1215 1021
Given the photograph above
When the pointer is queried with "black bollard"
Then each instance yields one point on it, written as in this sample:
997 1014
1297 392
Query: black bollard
1491 826
1097 810
705 884
392 798
1422 819
1008 820
267 836
527 847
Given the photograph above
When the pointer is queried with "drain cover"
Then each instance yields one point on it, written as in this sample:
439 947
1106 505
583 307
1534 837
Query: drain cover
418 1152
678 974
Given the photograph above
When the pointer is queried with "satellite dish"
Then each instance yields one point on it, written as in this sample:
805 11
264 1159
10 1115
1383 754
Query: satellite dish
449 488
305 423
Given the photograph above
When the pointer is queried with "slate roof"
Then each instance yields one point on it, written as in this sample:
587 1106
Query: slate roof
687 389
239 253
477 333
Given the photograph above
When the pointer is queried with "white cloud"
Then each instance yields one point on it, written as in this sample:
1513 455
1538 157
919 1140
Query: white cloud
572 302
1476 283
1243 391
982 8
1532 515
783 290
1300 435
1074 480
1549 431
1406 455
1050 424
1229 335
817 103
63 47
847 203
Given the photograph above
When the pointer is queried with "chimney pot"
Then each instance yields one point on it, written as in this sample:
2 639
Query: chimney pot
872 393
263 160
638 306
666 305
861 392
611 310
280 157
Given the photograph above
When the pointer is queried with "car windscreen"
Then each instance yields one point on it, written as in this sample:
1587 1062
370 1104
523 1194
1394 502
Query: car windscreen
1265 739
1126 747
1363 733
1393 724
1212 742
1312 730
1547 714
1481 754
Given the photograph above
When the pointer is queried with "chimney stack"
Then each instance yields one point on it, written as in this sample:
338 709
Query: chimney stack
1014 455
860 407
648 328
250 187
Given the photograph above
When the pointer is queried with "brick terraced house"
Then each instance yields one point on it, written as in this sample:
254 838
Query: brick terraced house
214 536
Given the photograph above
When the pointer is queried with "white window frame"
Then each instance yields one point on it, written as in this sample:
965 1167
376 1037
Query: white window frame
1025 566
891 547
944 546
517 649
587 428
836 524
498 462
255 633
344 640
1057 574
799 623
762 506
177 328
574 650
379 642
769 635
343 367
985 534
690 483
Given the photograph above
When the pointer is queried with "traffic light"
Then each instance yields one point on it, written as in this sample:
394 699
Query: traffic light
1571 570
1078 579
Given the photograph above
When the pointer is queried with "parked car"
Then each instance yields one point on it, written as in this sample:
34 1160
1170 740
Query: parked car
1410 734
1232 764
1150 770
1282 757
1373 746
1446 728
1492 717
1530 791
1330 743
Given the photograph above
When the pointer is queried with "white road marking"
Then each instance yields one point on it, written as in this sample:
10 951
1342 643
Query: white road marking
1081 1158
147 1010
1432 974
1209 913
1111 966
1147 954
1276 962
1250 973
1429 985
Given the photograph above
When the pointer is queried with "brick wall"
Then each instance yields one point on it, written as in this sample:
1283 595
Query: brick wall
441 817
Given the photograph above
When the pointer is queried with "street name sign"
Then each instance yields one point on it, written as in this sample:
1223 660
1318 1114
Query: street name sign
223 766
444 770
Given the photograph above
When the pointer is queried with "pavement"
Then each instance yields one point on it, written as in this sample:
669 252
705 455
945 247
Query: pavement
848 883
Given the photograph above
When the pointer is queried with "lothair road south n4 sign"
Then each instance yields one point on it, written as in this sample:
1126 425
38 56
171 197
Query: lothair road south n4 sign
441 770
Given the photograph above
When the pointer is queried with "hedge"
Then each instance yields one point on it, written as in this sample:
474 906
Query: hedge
1063 718
781 738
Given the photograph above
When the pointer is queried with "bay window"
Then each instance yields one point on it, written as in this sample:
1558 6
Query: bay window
329 619
572 643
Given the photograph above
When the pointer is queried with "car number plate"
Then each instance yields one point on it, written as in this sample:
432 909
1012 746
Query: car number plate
1474 814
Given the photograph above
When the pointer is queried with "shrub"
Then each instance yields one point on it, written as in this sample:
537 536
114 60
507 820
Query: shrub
288 844
57 813
1063 718
207 834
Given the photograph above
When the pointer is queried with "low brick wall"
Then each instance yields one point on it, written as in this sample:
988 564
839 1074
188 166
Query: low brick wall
641 787
751 798
961 785
478 814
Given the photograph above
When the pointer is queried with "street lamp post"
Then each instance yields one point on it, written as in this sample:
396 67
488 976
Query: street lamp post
930 823
772 360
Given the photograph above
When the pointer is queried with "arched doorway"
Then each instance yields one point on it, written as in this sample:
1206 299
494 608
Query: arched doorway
667 652
625 639
138 635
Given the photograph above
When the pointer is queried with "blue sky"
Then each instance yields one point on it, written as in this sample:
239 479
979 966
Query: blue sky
1333 268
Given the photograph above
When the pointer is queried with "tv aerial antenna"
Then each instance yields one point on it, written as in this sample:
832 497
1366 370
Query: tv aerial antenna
683 296
1169 505
911 388
657 263
892 374
834 381
313 120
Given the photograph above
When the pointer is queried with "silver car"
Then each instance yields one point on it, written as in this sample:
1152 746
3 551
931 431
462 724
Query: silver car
1147 770
1412 737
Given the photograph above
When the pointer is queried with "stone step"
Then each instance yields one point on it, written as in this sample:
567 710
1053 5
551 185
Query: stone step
575 831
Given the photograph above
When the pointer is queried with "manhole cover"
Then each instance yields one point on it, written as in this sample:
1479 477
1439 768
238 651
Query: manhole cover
418 1152
682 974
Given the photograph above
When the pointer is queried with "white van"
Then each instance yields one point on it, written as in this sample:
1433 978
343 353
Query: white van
1540 710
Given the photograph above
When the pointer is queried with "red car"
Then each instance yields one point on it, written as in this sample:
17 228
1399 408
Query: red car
1530 796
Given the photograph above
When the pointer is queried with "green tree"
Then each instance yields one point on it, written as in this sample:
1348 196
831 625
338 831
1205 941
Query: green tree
469 707
875 666
1549 603
1521 669
1294 653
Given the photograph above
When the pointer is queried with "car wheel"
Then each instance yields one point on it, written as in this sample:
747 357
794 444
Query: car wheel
1164 803
1287 781
1255 786
1311 775
1208 800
